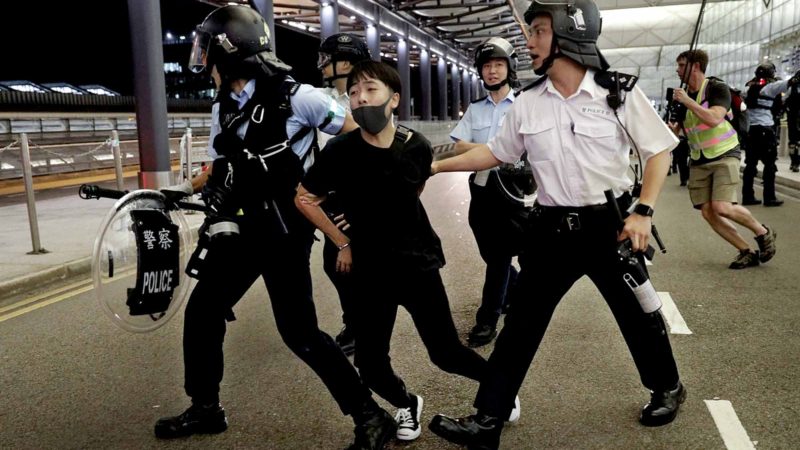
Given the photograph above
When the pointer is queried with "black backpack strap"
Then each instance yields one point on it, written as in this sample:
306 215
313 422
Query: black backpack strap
289 87
401 134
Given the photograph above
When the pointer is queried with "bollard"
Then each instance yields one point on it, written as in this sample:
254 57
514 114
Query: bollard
117 160
27 176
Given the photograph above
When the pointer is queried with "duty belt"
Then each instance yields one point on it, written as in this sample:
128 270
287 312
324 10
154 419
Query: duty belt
566 219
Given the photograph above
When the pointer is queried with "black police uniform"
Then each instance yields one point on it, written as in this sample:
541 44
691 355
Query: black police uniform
273 235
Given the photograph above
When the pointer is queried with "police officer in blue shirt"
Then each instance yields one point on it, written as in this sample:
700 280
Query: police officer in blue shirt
263 137
497 210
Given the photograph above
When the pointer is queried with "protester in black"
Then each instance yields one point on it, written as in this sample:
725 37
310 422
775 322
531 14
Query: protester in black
377 173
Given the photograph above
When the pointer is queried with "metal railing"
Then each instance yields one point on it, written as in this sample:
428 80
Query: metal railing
25 158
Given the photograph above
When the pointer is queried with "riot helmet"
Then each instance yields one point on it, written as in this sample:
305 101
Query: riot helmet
766 71
576 27
497 48
341 47
235 39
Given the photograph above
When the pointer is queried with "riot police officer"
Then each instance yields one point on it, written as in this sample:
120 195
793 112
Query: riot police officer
762 143
497 210
573 123
337 55
793 123
262 131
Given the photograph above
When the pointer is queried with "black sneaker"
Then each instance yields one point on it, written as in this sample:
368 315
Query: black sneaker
481 335
745 259
205 419
773 202
766 244
407 420
346 341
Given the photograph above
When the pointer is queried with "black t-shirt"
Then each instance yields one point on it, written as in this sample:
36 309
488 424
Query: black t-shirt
378 191
717 94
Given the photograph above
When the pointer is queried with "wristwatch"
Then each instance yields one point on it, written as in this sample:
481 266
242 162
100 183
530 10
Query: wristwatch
643 210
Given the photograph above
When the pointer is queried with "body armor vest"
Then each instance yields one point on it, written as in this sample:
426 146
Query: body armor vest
261 170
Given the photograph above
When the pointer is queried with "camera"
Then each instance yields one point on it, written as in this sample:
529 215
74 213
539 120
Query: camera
676 112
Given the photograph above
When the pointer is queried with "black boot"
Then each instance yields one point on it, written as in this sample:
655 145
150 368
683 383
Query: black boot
198 419
374 428
481 335
477 432
663 406
346 341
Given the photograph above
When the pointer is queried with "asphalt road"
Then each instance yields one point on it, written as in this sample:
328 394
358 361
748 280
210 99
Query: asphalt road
71 379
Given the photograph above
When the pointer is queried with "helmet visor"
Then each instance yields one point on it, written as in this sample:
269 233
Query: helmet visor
197 59
323 60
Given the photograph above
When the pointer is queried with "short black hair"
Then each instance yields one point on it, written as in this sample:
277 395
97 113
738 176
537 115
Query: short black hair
377 70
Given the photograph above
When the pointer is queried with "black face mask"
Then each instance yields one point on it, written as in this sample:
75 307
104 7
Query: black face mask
372 119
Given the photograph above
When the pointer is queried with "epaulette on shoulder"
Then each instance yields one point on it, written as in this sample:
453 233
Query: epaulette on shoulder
290 87
532 85
608 80
480 99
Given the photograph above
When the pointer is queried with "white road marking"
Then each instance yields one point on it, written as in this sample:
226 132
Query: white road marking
671 314
730 428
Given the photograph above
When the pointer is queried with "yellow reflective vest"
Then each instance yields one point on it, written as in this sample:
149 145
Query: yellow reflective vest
711 141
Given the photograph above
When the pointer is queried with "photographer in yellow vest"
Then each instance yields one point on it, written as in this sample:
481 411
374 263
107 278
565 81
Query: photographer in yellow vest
715 158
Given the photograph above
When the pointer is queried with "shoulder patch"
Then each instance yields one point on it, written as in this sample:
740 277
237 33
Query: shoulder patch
480 99
609 80
537 82
290 87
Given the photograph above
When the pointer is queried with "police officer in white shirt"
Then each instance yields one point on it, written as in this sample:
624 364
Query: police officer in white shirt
497 210
337 55
575 137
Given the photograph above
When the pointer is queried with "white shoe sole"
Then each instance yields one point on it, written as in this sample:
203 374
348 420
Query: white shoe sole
404 434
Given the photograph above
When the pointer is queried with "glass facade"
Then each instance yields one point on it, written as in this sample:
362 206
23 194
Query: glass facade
737 35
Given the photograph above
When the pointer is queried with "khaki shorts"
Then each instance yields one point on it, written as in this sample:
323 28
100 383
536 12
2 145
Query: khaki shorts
716 180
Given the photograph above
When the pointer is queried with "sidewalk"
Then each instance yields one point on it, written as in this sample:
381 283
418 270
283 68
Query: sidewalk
68 226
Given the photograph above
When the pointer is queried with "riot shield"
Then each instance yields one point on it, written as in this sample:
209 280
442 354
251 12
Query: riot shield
138 259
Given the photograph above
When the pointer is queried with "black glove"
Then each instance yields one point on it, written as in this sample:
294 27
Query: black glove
214 195
795 79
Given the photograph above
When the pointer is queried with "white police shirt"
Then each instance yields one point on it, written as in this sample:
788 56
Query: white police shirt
342 99
310 108
480 123
763 117
575 146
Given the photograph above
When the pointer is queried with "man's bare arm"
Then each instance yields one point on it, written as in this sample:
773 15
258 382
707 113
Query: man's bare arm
476 157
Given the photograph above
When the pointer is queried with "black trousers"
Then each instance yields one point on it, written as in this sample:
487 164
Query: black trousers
498 233
553 261
283 263
793 121
342 282
761 146
381 291
680 158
